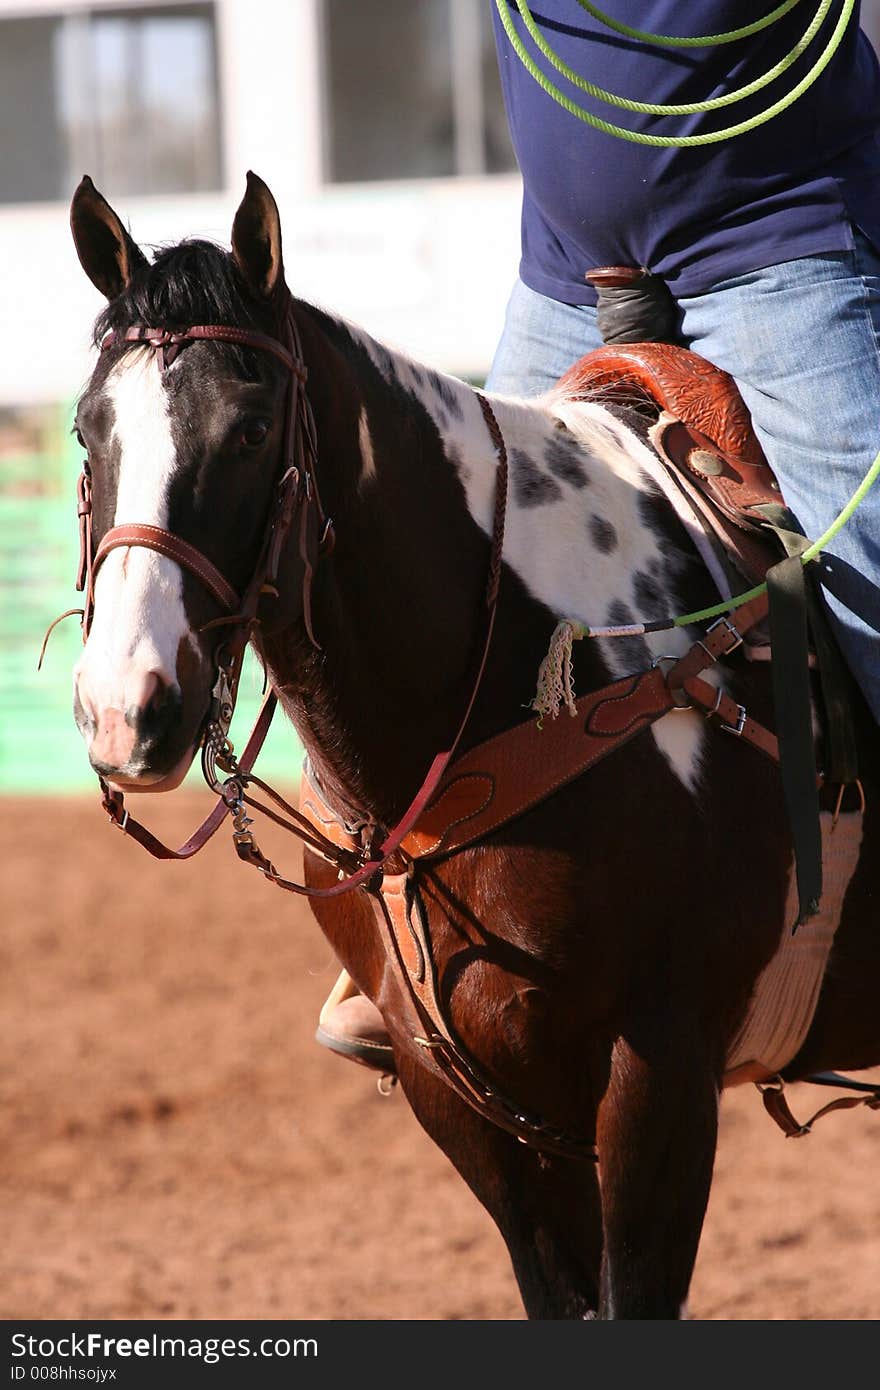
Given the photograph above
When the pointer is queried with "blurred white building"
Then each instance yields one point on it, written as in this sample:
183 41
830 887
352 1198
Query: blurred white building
378 125
380 128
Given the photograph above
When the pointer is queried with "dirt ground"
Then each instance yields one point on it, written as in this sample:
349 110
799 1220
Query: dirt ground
176 1146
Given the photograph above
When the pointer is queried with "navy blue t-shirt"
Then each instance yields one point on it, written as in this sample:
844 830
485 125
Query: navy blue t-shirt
790 188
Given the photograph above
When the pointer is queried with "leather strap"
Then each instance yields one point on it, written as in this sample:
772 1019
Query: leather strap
184 554
84 520
498 780
733 717
408 948
722 638
792 701
168 342
777 1107
501 778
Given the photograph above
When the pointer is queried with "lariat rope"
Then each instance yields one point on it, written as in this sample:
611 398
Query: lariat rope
555 684
685 108
673 41
657 109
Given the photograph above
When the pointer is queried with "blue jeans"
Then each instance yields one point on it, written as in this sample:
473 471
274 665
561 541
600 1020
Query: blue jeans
802 340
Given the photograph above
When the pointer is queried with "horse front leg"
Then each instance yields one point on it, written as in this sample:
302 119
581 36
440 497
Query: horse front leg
657 1132
546 1208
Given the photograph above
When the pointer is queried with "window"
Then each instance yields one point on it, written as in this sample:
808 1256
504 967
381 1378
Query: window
129 96
412 90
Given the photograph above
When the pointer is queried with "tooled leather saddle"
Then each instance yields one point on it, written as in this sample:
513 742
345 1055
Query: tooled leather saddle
702 431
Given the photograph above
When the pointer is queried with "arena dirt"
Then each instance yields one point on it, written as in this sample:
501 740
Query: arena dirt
176 1146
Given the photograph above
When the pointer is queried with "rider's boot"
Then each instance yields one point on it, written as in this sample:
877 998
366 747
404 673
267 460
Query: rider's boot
351 1025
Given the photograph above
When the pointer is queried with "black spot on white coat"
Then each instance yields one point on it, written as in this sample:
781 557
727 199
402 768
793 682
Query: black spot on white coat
603 534
565 460
531 487
648 596
446 393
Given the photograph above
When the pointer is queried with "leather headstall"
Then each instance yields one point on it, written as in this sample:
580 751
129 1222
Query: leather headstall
296 499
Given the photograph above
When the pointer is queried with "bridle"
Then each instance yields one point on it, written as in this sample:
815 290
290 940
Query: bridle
296 507
297 492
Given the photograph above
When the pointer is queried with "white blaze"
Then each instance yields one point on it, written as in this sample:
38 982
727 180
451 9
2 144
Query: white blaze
139 613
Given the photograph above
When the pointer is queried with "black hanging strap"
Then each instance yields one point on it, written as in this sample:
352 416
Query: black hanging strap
794 726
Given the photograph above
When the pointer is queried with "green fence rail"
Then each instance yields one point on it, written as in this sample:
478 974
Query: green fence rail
40 748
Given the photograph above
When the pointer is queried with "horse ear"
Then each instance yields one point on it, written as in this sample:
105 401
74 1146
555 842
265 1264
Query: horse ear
106 252
256 238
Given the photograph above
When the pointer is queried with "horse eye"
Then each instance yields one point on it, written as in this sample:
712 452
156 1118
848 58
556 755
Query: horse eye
79 439
254 433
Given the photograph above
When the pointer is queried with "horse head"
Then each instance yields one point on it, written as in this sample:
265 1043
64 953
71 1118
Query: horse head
183 436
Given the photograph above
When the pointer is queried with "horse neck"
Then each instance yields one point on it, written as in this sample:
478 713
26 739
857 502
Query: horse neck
398 608
408 471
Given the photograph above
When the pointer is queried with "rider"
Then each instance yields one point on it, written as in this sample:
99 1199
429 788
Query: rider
769 242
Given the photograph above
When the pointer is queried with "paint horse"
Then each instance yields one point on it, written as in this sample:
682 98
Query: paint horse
594 957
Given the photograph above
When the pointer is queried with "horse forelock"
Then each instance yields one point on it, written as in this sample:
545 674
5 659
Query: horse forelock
192 282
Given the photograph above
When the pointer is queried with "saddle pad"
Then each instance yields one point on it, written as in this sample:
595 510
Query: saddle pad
787 991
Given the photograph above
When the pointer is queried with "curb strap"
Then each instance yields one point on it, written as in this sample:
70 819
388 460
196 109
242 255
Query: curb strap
772 1094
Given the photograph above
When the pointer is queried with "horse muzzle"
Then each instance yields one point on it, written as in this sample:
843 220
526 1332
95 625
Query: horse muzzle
140 743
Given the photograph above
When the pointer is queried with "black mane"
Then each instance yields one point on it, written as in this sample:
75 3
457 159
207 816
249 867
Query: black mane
192 282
